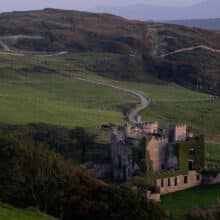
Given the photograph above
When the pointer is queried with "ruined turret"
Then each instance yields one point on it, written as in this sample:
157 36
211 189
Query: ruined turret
176 132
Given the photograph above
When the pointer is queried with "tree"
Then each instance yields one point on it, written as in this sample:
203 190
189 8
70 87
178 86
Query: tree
82 139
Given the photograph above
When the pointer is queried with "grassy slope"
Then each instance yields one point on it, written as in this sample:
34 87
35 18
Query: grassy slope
54 98
213 152
10 213
58 101
185 201
174 104
200 114
58 98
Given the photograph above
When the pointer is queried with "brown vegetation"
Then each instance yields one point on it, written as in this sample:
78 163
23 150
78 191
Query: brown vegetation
134 47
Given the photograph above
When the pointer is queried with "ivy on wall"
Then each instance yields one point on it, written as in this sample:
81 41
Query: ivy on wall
182 150
197 156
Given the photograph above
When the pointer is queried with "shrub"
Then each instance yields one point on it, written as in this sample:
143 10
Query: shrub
35 176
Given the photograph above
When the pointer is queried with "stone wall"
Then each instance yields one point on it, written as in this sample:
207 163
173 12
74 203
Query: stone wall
150 127
140 130
155 148
178 183
153 196
176 132
180 133
121 157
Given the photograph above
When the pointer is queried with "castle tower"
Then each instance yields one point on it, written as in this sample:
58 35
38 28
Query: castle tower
127 129
180 133
176 132
138 119
156 148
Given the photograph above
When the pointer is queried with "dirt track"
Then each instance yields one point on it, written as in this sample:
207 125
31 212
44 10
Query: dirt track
190 49
133 113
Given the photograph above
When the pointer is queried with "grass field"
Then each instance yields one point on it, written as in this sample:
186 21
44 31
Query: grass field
43 89
166 92
10 213
54 98
212 152
185 201
204 115
175 104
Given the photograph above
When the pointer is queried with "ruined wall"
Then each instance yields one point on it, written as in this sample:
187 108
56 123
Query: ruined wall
150 127
121 156
155 148
153 196
178 183
180 133
127 129
140 130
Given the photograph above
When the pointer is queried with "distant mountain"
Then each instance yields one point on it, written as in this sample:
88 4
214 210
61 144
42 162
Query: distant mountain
211 24
207 9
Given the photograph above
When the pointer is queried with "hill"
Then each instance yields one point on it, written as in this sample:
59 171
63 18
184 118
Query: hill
211 24
134 48
53 29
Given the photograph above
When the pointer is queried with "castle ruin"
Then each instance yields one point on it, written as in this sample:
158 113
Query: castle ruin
169 159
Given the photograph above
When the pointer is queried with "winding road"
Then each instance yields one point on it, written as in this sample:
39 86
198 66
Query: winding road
134 112
144 102
4 46
190 49
7 51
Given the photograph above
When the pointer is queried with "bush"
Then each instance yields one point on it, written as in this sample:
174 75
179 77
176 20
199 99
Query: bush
35 176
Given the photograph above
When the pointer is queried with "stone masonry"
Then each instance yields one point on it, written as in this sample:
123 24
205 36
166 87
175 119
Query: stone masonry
160 152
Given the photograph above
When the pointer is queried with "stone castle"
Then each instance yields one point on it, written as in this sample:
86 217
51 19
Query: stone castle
169 159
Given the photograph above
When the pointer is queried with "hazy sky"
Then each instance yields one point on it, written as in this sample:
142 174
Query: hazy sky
10 5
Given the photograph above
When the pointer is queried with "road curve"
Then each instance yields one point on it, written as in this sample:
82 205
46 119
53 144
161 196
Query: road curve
134 112
7 51
4 46
190 49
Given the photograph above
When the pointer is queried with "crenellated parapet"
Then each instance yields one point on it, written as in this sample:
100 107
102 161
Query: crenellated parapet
140 130
176 132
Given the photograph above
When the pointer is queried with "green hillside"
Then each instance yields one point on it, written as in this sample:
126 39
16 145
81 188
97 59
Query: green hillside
33 92
10 213
45 89
199 114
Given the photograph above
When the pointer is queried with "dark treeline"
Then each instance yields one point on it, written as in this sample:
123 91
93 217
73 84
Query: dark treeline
76 145
34 175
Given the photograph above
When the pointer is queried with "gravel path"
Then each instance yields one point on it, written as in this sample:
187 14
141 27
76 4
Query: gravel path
4 46
134 112
190 49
